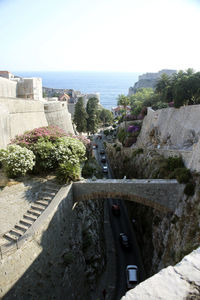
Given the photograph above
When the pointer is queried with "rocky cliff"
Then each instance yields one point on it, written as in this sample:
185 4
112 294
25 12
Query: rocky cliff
149 80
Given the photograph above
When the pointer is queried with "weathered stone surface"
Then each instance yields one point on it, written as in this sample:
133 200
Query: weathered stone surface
174 283
173 129
160 194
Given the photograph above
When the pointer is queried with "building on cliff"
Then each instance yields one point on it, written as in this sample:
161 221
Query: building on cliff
149 80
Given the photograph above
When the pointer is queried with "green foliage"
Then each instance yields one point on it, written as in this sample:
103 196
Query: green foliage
106 116
189 189
92 111
68 172
118 148
80 116
174 162
140 99
16 160
182 175
121 135
137 152
106 132
91 168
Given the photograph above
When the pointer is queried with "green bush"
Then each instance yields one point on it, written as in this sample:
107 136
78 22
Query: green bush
189 189
91 168
87 240
118 148
68 172
174 163
16 160
121 135
182 175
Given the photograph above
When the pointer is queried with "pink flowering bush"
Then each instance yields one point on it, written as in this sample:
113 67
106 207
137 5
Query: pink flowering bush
31 137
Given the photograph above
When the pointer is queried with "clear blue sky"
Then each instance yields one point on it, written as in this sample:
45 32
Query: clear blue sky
99 35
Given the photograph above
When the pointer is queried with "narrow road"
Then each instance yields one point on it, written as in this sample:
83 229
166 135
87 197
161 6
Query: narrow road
121 224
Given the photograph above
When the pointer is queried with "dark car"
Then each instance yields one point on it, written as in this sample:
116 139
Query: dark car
102 151
124 241
115 210
103 159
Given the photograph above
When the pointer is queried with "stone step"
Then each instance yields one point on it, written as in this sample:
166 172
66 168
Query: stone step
37 207
21 228
26 222
10 237
30 217
50 189
16 232
42 202
34 212
46 198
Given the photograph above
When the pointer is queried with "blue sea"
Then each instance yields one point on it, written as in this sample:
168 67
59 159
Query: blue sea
108 84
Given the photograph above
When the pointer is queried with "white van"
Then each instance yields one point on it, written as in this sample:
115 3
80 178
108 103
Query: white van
131 276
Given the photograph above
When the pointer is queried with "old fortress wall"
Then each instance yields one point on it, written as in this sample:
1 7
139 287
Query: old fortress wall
22 108
173 131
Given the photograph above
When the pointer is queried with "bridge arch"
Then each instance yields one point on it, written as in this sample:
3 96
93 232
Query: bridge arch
160 194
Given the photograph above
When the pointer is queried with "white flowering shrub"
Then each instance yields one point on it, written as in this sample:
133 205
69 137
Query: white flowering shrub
44 151
70 149
50 154
17 160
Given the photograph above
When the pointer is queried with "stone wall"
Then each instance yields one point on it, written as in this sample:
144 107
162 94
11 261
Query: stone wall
173 129
57 114
8 88
62 253
19 115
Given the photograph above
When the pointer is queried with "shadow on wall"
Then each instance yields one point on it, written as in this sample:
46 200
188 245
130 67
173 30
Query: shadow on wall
50 276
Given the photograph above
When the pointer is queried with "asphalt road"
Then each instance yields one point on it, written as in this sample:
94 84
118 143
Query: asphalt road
120 224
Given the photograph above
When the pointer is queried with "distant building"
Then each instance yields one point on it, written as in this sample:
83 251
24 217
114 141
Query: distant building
118 111
64 97
12 86
30 88
7 75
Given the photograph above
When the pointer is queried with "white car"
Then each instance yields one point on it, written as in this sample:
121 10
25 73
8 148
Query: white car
131 276
105 169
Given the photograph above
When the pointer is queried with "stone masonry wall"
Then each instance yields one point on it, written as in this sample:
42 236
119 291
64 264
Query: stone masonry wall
173 129
63 250
19 115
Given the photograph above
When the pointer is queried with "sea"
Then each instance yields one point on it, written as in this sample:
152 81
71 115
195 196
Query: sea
109 84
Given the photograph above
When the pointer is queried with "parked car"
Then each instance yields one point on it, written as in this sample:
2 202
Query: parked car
131 276
105 169
116 210
124 241
103 159
102 151
95 146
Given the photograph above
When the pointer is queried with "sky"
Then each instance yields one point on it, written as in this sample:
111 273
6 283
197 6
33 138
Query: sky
99 35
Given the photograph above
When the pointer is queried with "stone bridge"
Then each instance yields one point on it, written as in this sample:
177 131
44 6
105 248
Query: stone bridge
157 193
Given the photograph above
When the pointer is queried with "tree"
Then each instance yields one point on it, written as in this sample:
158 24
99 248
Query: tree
92 111
124 101
106 116
80 116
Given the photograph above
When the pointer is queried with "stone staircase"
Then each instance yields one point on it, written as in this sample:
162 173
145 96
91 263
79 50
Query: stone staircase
45 196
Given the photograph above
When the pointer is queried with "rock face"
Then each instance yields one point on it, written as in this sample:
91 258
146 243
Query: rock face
173 129
164 239
149 80
179 282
